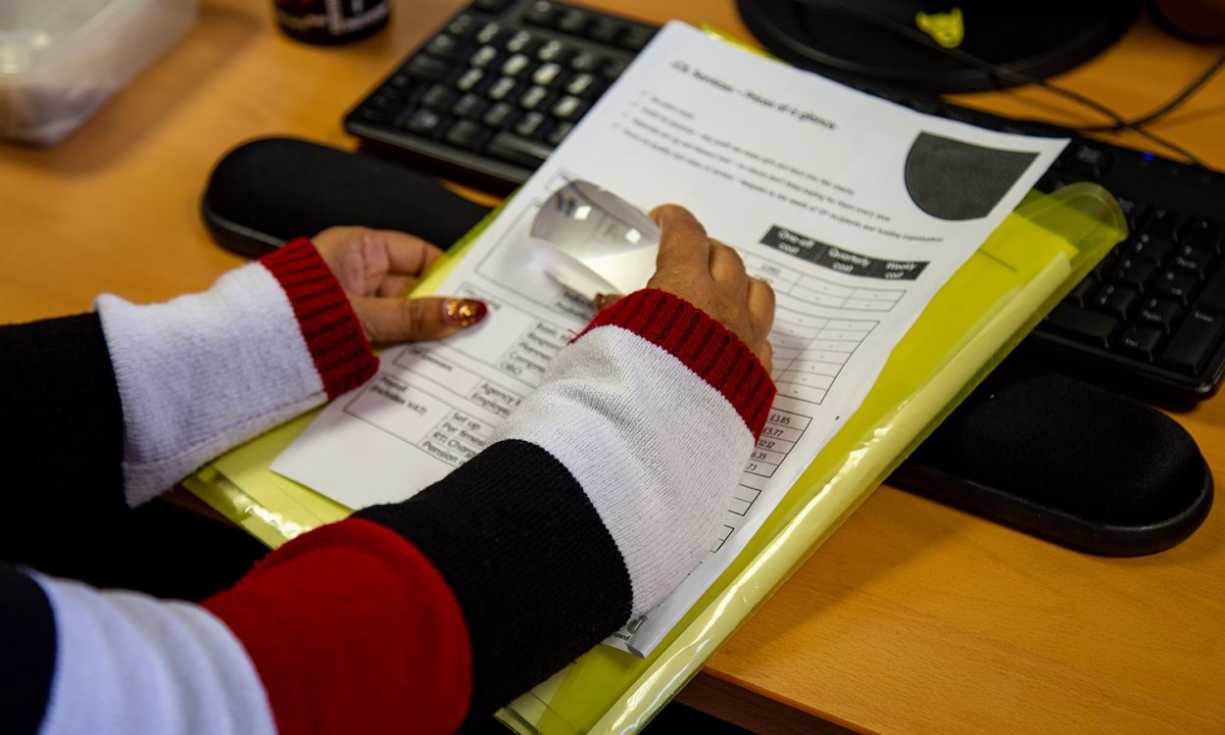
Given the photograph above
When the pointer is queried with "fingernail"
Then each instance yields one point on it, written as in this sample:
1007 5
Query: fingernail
464 312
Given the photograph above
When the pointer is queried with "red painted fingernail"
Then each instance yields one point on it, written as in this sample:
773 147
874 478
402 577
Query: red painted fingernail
464 312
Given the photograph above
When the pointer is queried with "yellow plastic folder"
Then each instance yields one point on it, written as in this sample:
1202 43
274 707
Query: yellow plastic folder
1023 269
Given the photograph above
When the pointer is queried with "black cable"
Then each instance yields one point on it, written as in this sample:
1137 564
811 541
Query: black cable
1173 103
1001 72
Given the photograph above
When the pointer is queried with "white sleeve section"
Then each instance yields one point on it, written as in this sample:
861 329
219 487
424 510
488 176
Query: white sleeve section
656 448
128 663
203 373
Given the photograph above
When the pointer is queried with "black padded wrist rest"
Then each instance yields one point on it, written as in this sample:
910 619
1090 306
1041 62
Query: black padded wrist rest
1065 461
1048 455
271 190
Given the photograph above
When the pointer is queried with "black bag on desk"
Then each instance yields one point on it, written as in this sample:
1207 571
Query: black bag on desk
1042 453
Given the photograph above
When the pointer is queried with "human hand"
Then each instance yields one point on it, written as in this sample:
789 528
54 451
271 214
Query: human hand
711 276
377 268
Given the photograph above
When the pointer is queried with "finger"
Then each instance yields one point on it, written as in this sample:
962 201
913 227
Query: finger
761 306
605 300
682 239
395 285
727 267
414 320
766 354
406 254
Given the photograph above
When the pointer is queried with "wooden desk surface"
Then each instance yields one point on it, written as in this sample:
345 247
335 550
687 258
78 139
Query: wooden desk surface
913 618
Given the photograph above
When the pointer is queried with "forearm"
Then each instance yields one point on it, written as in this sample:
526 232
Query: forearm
205 372
104 411
602 492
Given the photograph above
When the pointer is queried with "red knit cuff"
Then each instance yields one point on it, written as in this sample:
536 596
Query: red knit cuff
704 345
352 629
333 333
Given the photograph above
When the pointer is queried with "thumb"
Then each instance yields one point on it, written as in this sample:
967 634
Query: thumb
416 320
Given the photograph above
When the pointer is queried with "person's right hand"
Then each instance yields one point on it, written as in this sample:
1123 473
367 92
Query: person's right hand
711 276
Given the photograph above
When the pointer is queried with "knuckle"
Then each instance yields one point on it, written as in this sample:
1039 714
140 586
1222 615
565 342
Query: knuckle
412 315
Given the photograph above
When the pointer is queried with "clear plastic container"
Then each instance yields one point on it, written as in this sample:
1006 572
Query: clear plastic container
61 59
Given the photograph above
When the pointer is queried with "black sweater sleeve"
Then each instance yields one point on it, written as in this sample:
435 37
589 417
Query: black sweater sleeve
64 431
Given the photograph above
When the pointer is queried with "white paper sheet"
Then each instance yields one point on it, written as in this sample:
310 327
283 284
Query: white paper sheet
829 194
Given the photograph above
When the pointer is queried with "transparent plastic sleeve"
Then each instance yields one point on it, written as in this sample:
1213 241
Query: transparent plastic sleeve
1022 271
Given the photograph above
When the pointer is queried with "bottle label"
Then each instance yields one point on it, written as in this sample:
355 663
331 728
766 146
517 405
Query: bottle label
336 17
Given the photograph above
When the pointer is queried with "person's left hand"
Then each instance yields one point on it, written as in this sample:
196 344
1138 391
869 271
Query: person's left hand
377 269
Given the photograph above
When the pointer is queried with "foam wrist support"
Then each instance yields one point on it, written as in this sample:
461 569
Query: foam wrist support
202 373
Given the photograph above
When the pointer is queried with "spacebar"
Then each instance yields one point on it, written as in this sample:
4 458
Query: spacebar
510 147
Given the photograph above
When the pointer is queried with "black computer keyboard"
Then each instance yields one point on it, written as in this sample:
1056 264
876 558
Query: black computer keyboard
489 97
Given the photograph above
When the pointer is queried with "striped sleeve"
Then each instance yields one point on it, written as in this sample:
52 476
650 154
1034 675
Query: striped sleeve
601 493
202 373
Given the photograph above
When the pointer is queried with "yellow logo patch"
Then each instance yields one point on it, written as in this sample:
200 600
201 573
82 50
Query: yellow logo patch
947 29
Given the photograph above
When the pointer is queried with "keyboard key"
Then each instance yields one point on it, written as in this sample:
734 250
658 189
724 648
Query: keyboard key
444 47
1114 300
1149 249
635 37
520 42
582 85
500 115
424 122
466 134
573 21
424 67
1194 342
585 62
530 125
542 13
510 147
552 51
489 33
1191 260
1140 341
532 98
1080 294
559 133
1159 313
546 75
1134 272
613 68
483 57
1087 162
568 108
1177 286
469 106
1161 227
464 26
439 97
469 80
515 65
501 89
1087 326
604 30
1202 234
400 81
369 114
1131 210
1212 300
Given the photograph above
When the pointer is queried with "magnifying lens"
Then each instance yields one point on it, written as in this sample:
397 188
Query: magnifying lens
595 241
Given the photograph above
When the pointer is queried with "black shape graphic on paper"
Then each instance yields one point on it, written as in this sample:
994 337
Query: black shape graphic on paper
953 180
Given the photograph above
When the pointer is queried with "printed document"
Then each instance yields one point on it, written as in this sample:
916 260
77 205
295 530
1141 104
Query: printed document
855 210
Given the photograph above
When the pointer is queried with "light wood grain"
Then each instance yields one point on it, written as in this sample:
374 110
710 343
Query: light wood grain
913 618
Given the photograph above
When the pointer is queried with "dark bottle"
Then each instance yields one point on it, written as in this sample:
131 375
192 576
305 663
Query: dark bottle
332 21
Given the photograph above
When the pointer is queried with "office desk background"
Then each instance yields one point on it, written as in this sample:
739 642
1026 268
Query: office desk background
913 618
